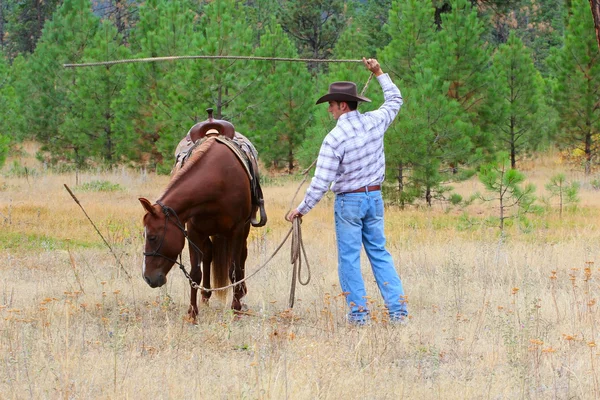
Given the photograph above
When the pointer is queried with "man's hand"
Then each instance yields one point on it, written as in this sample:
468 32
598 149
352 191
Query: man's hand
293 214
373 66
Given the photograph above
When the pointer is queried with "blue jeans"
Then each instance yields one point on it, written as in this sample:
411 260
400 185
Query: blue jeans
358 222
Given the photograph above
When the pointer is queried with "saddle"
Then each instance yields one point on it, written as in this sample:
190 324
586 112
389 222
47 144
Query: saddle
241 147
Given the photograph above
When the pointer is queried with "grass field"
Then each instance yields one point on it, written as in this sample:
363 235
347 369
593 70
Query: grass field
493 318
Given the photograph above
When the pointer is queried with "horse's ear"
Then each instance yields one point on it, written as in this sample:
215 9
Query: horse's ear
147 205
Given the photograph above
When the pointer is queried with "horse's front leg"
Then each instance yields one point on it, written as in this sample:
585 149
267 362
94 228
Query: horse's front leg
206 264
196 257
196 275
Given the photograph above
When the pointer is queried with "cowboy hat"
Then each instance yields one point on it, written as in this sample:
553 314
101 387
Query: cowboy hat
342 91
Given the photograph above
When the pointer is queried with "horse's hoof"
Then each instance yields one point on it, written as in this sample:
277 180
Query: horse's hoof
192 312
242 309
205 301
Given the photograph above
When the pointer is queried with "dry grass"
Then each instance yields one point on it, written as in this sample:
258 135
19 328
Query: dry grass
490 319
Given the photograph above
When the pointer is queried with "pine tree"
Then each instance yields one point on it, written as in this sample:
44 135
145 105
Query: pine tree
518 93
576 68
411 27
25 22
90 128
279 122
314 25
427 138
147 109
64 39
460 57
7 107
507 188
371 16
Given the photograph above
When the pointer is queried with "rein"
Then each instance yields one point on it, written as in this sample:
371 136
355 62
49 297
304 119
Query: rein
295 255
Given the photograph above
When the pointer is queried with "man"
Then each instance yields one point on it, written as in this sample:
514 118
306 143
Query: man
352 160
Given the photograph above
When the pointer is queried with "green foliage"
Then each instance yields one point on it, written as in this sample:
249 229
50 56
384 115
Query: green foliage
137 113
100 186
349 45
371 16
18 170
506 189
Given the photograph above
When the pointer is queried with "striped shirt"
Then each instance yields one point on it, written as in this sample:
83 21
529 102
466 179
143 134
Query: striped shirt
351 155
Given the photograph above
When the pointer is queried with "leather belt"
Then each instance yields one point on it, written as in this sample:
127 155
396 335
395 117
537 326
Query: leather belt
363 189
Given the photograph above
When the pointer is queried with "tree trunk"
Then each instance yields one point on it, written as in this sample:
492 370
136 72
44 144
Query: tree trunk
219 114
588 152
595 5
428 196
445 8
400 177
513 150
290 156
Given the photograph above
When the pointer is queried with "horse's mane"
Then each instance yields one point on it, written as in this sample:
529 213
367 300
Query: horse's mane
196 153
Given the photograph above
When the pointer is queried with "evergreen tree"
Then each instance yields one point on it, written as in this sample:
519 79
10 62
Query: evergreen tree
459 57
411 27
279 122
64 39
518 90
89 127
371 16
577 70
25 23
260 13
7 107
506 187
146 110
314 25
122 13
427 139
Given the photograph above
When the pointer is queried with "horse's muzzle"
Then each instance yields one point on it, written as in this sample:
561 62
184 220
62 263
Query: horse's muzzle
156 281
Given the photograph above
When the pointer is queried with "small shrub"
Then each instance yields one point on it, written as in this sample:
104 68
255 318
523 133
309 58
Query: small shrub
100 186
20 171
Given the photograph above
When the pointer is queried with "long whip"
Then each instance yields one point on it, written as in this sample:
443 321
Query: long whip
173 58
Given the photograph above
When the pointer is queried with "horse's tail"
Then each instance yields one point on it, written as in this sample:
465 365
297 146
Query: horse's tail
220 265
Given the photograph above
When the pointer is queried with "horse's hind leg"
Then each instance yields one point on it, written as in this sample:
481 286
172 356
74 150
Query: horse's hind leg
238 270
206 261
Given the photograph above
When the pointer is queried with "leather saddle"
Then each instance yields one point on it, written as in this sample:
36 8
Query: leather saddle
246 152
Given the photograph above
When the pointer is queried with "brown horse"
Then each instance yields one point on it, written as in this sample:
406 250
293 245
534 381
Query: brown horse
211 194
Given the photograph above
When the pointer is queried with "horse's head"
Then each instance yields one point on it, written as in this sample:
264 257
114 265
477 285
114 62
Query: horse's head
164 237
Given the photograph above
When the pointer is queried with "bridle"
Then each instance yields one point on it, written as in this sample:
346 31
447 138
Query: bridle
168 211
